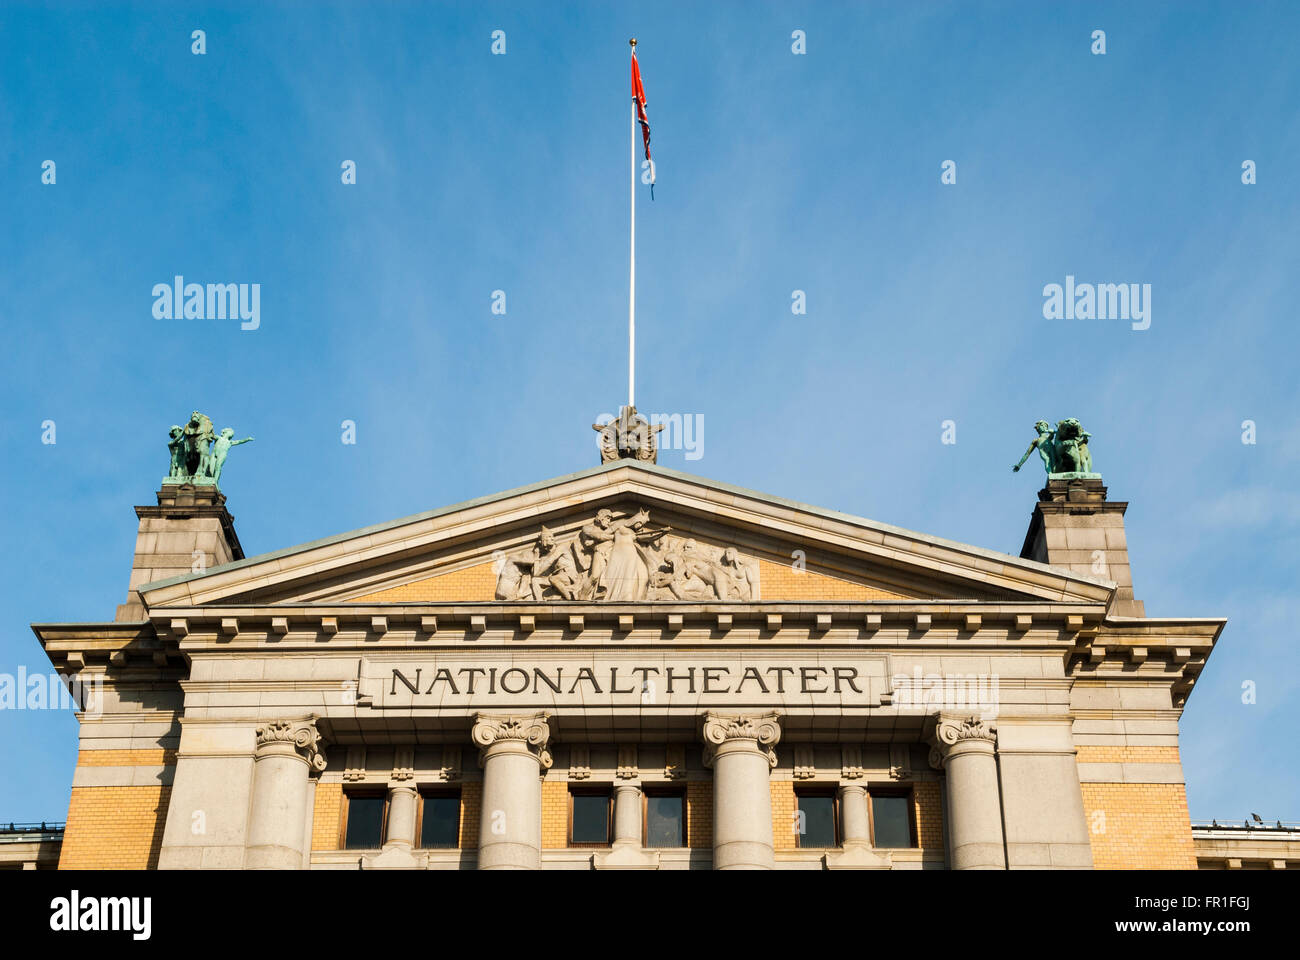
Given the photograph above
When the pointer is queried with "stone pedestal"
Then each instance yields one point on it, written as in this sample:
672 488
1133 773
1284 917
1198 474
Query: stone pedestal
1075 527
855 827
739 749
288 752
964 748
514 755
626 853
189 530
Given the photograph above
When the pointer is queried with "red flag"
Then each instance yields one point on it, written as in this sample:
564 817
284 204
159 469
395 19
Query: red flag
638 96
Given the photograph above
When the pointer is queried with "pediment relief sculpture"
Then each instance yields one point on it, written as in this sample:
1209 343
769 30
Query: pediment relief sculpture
624 557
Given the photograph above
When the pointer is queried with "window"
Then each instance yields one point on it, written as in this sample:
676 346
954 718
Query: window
892 824
665 818
440 820
589 817
364 815
817 827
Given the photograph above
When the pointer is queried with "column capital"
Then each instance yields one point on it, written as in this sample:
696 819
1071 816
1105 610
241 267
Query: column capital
950 731
300 736
532 732
764 730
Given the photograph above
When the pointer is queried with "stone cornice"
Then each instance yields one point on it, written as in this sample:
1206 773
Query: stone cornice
967 623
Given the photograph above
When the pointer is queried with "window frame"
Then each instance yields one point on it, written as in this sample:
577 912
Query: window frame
369 793
663 790
441 791
910 794
594 790
820 792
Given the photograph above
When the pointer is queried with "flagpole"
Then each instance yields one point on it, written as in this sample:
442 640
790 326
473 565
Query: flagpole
631 281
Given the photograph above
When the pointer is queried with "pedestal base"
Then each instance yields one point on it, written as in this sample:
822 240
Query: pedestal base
629 856
857 856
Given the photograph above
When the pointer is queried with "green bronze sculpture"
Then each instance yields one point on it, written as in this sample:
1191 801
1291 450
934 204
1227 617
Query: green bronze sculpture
1064 451
197 452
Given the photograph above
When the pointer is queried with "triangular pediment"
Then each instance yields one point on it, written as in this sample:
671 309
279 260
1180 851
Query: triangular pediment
631 532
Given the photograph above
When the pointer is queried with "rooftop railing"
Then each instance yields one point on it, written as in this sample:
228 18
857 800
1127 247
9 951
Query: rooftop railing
11 827
1249 823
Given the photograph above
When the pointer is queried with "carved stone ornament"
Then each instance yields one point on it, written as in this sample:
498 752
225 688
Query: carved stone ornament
851 763
629 436
532 730
952 730
804 766
302 734
623 557
674 761
764 729
403 765
627 762
579 762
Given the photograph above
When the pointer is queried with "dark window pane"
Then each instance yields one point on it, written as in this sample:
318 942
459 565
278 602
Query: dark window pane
817 821
663 821
892 821
440 827
591 818
365 822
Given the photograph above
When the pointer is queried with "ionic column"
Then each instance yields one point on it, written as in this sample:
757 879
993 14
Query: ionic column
855 851
402 800
739 749
513 757
963 748
288 752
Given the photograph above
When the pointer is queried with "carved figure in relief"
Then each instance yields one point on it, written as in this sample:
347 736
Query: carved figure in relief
625 558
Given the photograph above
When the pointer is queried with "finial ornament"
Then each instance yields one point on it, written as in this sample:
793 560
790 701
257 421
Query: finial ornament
1064 451
629 436
632 43
198 453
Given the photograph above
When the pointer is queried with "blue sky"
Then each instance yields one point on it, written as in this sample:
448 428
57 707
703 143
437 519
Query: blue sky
776 172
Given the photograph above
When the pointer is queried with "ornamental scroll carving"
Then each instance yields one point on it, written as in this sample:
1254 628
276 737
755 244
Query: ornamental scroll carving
534 731
301 734
952 730
624 557
764 729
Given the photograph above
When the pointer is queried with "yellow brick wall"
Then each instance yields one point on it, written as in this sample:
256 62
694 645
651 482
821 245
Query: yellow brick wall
555 814
327 816
784 825
779 581
471 584
126 758
1137 826
471 802
699 814
1088 753
927 800
117 828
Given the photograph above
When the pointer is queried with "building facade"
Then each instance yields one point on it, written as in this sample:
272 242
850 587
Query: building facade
631 668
